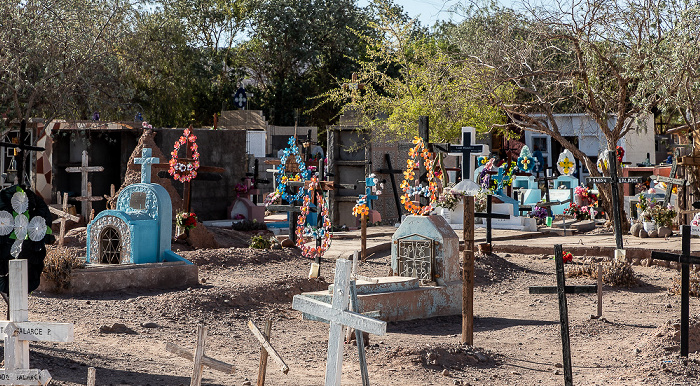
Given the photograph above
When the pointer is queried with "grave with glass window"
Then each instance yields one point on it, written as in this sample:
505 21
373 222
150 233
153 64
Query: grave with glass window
139 230
426 280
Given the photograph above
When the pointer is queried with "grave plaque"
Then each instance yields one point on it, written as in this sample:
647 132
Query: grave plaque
427 248
415 257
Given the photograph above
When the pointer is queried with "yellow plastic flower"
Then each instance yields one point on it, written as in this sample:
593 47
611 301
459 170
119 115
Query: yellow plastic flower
566 164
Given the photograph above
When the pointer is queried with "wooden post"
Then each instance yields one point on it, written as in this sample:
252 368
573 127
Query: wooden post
600 290
196 379
685 291
263 354
468 272
363 237
563 315
91 376
359 339
266 350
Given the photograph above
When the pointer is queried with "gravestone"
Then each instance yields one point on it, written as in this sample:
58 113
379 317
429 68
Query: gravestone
139 230
426 248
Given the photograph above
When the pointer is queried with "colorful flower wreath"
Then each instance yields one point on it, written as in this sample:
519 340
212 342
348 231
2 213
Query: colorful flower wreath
361 208
305 232
429 191
184 171
282 179
620 153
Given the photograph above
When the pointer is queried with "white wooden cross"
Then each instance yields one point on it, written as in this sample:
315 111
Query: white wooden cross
338 315
86 201
146 161
63 216
84 169
18 331
200 360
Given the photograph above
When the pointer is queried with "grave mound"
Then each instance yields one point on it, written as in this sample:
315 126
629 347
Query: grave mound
234 257
448 356
76 237
666 338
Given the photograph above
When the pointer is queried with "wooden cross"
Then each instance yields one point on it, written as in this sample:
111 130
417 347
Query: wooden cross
391 171
564 313
488 216
198 358
112 194
671 179
87 199
466 149
338 315
21 147
84 169
684 259
266 350
63 216
19 331
613 180
369 197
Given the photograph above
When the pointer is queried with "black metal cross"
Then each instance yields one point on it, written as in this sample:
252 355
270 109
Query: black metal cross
391 171
21 147
488 216
548 205
685 260
613 180
561 290
466 148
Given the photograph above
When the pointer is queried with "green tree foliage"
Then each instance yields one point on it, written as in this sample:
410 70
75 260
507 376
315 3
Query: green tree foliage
296 50
57 57
408 73
181 60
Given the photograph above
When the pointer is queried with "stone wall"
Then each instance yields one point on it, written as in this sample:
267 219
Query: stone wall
219 148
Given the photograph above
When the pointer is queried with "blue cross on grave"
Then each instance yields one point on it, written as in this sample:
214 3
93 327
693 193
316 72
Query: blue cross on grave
369 184
240 98
465 150
146 160
499 179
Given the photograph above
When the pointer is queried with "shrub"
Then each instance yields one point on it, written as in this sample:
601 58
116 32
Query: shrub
260 242
59 264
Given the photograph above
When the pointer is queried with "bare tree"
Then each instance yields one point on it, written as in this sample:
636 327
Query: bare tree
592 56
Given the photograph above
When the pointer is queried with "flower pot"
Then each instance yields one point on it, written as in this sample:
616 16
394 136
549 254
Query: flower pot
649 226
578 200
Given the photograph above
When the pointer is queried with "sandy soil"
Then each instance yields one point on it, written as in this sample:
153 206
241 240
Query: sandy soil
516 334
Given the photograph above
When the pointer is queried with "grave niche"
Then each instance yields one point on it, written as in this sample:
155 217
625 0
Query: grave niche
426 248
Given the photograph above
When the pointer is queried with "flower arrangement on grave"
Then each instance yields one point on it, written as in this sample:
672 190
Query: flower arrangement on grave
282 178
186 220
620 153
447 200
580 212
184 171
413 192
305 232
584 192
565 164
361 208
240 189
17 225
480 201
567 257
539 213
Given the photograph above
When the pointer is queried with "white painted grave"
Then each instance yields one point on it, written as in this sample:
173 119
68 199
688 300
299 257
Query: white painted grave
19 331
338 315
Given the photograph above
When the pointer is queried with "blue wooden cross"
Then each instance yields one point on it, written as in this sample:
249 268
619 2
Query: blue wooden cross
146 161
369 183
499 178
466 149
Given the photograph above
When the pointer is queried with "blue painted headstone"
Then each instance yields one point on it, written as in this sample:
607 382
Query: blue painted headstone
139 230
240 98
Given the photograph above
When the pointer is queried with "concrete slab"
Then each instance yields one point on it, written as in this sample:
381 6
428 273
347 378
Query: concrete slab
106 277
384 284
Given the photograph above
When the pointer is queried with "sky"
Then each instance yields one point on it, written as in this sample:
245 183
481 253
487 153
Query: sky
430 11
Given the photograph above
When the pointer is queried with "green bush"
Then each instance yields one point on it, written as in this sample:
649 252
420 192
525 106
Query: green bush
260 242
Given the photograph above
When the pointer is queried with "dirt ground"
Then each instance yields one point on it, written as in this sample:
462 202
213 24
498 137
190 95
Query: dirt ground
516 335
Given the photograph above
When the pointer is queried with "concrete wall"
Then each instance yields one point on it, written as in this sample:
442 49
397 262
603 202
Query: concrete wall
219 148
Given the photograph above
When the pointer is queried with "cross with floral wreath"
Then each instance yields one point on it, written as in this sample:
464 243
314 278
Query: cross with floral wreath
411 192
